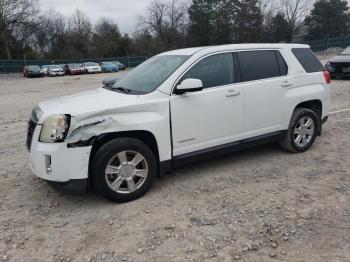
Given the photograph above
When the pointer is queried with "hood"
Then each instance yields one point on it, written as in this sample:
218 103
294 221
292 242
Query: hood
86 102
94 67
34 70
56 69
340 59
111 66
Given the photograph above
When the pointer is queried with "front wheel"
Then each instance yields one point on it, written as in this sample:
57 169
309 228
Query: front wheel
124 169
302 131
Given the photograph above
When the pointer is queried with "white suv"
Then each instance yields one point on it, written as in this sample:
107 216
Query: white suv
175 108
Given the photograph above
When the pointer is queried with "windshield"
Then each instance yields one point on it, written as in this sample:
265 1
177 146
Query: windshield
34 67
148 76
91 64
346 51
73 65
107 63
54 67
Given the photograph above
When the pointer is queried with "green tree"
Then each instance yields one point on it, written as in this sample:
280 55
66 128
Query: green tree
106 39
248 21
278 30
201 27
328 18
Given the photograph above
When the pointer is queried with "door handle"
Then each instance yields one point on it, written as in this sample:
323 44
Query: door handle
232 93
286 84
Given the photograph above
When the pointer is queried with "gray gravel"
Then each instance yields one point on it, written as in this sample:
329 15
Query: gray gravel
261 204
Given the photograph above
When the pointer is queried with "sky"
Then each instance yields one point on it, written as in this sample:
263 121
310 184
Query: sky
123 12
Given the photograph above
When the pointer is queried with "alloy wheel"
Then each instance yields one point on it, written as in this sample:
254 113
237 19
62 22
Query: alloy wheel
304 131
126 172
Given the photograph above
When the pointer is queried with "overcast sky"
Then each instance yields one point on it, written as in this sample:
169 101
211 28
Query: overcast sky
123 12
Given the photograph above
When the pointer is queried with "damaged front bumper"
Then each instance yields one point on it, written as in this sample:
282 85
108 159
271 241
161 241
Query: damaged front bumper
65 168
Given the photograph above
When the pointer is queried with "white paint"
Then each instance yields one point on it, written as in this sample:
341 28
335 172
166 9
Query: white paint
200 120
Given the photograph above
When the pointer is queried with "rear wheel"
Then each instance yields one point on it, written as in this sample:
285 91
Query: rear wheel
302 131
124 169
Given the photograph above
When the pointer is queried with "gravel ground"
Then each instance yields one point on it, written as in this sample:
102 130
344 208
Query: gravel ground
261 204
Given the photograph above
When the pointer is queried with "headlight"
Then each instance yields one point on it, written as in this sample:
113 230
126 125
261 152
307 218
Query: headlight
55 129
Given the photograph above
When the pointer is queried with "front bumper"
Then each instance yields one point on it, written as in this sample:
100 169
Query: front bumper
55 162
72 187
56 73
91 71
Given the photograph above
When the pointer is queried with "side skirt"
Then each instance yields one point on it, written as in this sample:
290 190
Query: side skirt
185 159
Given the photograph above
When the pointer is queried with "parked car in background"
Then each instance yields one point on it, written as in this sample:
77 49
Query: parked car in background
175 108
33 71
44 68
73 69
91 68
109 67
339 66
55 70
121 66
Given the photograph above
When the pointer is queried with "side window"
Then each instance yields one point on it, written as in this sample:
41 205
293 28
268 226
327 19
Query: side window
282 64
257 65
215 70
308 60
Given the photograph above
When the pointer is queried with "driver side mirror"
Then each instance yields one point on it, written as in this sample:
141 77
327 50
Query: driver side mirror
189 85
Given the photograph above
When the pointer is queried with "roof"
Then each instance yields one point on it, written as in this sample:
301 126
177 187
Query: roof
218 48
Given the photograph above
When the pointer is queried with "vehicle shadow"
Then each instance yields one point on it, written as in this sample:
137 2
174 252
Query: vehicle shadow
261 153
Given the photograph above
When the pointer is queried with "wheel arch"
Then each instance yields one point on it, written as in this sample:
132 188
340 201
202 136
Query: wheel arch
316 106
144 136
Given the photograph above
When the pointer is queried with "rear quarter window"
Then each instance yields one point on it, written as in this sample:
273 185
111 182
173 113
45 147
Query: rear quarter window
308 60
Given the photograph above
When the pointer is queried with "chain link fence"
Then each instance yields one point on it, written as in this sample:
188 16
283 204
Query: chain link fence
16 66
324 44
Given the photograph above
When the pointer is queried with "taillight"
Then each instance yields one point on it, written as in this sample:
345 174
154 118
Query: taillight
327 76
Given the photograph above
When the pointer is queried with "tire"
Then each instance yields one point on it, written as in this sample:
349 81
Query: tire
307 136
119 154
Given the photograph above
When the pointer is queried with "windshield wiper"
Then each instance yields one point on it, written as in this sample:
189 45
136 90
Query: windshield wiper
122 89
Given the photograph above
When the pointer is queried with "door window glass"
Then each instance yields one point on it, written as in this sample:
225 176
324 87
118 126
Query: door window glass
215 70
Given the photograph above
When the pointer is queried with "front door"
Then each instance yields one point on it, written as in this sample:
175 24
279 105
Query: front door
210 117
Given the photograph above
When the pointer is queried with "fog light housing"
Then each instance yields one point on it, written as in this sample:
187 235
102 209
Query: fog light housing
48 164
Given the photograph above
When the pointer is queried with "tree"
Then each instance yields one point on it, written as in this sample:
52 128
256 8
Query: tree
50 34
166 21
248 21
328 18
15 18
106 39
79 35
223 22
277 30
201 27
294 11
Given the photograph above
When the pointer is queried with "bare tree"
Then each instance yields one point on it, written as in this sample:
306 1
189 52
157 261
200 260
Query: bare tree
14 15
49 28
166 20
155 20
79 34
295 11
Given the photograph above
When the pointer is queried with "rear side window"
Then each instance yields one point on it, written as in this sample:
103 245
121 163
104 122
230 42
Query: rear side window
261 64
308 60
215 70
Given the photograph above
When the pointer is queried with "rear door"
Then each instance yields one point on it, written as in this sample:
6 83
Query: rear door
210 117
265 80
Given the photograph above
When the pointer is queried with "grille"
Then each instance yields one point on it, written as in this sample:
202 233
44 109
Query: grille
30 131
339 66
